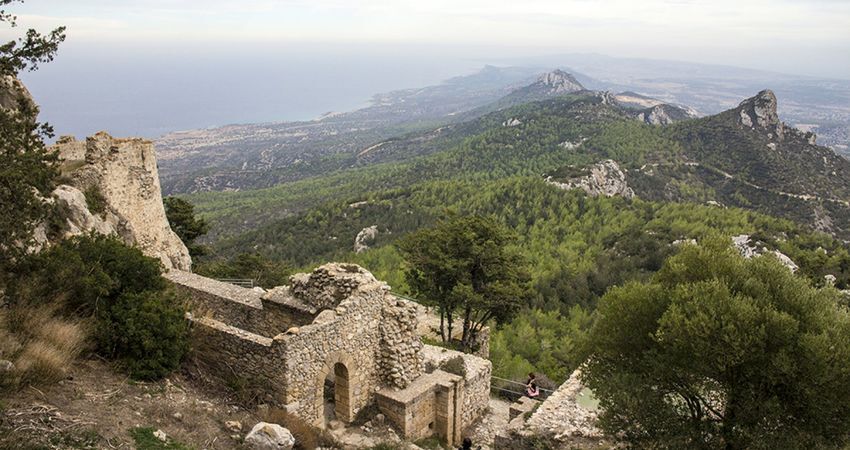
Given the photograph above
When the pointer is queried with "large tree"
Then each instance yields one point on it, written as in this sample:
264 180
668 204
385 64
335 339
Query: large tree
27 168
718 351
466 266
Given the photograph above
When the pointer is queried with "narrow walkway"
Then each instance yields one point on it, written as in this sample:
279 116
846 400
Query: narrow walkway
484 431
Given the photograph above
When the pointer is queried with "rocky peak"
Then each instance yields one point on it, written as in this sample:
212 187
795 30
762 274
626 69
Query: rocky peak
664 114
559 82
760 113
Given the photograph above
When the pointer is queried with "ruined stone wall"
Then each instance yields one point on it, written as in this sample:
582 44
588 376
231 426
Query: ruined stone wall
476 392
124 171
235 355
238 306
401 359
350 335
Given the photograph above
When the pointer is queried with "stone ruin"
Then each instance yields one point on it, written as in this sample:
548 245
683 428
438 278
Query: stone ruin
337 323
561 420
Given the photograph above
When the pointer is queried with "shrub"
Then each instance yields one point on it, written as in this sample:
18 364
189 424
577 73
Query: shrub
146 332
95 200
135 320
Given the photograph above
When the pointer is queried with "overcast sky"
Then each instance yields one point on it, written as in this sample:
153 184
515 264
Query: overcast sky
145 67
788 35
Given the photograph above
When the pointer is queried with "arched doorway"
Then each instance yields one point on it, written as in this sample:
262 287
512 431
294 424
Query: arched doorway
333 396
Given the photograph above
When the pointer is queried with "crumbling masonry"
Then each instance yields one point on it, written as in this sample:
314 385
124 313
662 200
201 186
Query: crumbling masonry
340 323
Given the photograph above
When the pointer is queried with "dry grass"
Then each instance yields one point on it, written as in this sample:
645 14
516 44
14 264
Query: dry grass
41 345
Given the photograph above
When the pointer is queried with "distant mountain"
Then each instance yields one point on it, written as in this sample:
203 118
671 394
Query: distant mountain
744 157
548 85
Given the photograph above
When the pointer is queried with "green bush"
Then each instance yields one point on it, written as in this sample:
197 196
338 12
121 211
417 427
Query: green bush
137 321
95 200
145 331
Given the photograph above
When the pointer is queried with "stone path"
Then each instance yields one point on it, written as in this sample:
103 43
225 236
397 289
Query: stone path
484 431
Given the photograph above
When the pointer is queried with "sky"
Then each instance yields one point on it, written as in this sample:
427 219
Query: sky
215 47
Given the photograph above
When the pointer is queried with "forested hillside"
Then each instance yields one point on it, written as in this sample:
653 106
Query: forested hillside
711 176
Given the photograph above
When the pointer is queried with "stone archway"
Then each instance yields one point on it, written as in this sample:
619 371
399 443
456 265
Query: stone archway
341 368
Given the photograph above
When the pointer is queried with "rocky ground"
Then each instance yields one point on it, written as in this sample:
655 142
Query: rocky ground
95 407
483 432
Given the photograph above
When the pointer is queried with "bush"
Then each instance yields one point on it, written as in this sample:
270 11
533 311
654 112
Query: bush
146 332
135 320
95 200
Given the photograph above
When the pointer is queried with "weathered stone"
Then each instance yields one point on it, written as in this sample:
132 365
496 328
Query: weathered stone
269 436
159 434
125 173
6 366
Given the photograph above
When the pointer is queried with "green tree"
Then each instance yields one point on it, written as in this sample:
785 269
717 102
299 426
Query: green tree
184 222
718 351
27 168
466 265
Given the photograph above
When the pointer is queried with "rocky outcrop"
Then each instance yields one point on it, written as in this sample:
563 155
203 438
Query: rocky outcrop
123 173
559 82
12 91
761 113
603 178
750 249
663 114
364 237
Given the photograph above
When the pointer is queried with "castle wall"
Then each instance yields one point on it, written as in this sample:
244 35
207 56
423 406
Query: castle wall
236 355
350 335
239 307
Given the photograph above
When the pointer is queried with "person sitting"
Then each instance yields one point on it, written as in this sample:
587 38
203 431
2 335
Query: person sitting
531 389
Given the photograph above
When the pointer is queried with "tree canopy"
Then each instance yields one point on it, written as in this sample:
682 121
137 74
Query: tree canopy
718 351
467 265
184 222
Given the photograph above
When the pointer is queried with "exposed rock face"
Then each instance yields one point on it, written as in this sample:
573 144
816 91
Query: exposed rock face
604 178
269 436
364 237
750 249
512 122
761 112
663 114
559 82
124 171
11 91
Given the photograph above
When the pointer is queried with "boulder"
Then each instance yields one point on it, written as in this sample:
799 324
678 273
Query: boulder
269 436
233 425
6 366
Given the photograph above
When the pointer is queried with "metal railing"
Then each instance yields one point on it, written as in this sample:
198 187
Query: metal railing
241 282
522 393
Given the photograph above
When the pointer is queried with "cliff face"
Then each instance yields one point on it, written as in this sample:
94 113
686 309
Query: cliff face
124 173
